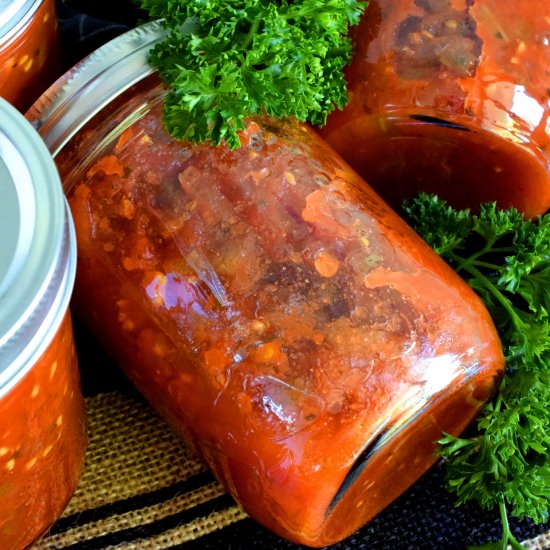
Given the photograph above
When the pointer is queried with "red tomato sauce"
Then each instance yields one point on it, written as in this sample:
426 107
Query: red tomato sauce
279 316
42 443
30 60
450 97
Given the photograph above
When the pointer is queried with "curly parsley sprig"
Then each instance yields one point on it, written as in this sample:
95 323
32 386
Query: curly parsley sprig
506 260
225 60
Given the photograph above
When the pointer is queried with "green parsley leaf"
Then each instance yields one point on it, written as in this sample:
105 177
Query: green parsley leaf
506 260
225 60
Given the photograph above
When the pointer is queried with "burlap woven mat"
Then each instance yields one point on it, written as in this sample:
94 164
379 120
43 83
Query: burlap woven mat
143 489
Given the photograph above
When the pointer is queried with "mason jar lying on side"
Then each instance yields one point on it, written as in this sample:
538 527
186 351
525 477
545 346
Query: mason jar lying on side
270 306
452 98
29 50
42 427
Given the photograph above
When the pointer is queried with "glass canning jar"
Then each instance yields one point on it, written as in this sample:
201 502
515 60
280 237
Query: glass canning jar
42 429
450 97
29 50
282 319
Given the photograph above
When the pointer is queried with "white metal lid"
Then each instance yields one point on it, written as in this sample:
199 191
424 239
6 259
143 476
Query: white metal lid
37 247
14 14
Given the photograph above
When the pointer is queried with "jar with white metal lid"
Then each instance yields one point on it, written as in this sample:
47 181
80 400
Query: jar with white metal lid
29 49
42 428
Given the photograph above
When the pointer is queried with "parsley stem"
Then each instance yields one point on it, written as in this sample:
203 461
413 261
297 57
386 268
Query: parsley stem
474 272
487 265
464 262
507 536
502 249
252 31
473 259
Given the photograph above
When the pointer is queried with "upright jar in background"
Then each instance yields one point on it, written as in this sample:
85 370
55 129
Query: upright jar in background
42 428
29 50
284 321
450 97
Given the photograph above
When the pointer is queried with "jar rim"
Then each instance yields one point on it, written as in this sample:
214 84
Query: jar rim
37 249
14 14
77 96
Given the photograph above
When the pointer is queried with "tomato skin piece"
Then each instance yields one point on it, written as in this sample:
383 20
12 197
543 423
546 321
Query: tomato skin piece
278 314
450 98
